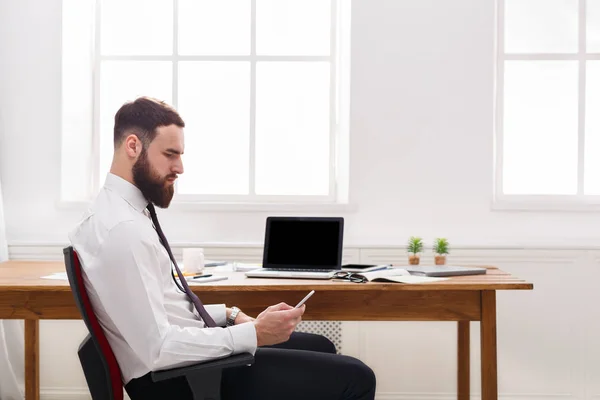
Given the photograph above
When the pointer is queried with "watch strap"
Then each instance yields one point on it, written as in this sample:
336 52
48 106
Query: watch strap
232 316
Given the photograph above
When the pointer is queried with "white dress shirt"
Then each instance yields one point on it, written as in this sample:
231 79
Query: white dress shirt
149 323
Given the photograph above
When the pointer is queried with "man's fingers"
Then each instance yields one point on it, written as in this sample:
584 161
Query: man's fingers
294 313
281 307
297 312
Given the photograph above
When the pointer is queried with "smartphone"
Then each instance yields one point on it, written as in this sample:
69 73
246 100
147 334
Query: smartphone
304 299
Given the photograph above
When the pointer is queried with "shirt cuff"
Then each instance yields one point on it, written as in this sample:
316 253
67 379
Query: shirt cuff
218 313
244 338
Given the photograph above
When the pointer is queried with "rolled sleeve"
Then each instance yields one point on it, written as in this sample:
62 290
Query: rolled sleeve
243 337
218 313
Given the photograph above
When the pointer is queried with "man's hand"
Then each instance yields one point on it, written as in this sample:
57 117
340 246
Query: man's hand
276 323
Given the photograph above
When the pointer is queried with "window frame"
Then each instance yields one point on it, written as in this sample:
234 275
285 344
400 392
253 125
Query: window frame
337 128
541 202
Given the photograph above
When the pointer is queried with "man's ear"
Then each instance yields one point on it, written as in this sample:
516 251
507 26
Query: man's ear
133 146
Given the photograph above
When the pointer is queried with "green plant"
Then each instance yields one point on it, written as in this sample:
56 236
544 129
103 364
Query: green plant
440 246
415 245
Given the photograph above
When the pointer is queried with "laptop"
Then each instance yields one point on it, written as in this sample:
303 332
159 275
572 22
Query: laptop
443 270
301 247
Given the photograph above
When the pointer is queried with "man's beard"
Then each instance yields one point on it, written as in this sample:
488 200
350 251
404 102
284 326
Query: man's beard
151 184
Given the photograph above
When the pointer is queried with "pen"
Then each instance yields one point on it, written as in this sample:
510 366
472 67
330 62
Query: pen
201 276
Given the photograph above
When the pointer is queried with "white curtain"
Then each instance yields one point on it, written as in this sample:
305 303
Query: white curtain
12 358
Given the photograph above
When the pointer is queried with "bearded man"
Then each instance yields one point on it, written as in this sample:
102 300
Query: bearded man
153 321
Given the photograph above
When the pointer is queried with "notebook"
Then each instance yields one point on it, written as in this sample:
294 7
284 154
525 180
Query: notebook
301 247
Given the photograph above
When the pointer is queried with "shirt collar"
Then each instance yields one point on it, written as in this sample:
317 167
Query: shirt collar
128 191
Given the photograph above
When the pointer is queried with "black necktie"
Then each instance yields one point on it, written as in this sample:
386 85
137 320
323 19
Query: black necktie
197 303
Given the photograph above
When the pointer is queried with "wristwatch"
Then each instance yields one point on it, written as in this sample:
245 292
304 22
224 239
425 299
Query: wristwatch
234 313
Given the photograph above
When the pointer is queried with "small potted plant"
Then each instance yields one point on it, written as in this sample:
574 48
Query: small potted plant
414 249
441 250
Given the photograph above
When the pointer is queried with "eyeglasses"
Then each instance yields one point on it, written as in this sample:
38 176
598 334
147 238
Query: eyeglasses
350 276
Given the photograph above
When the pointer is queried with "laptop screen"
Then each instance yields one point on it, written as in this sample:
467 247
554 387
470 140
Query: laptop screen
303 242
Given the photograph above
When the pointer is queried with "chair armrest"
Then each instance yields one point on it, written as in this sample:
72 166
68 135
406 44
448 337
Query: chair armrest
236 360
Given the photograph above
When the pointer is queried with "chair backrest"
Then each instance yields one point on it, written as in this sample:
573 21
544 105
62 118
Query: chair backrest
108 374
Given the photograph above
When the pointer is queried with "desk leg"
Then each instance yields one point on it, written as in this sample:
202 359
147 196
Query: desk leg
32 359
489 362
464 360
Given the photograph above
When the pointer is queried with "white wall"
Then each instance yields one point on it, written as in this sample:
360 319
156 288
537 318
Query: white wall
421 132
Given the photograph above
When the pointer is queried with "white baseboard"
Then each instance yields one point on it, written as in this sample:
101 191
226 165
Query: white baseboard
415 396
64 393
452 396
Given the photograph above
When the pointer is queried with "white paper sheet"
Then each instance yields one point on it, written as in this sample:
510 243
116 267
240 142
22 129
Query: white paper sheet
62 276
413 279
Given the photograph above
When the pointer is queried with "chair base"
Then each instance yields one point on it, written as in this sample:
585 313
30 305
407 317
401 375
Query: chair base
205 386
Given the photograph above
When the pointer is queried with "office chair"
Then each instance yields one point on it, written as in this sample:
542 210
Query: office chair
100 366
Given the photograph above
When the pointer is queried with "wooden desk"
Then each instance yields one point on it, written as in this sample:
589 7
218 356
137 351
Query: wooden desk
23 295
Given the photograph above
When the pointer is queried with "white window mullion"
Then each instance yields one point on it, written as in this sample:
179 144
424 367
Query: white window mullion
175 53
240 198
252 141
214 58
499 142
333 115
175 62
581 105
96 100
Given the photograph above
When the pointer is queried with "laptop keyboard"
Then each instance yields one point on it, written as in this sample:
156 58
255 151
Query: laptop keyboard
296 270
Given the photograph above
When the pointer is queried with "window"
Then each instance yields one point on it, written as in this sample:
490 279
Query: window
261 84
548 94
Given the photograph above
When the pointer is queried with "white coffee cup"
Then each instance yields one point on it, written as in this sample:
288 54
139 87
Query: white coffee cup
193 260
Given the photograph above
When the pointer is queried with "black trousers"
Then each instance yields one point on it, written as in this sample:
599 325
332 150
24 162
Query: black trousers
303 368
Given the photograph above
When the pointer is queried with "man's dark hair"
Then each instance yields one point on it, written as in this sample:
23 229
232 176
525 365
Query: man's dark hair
141 117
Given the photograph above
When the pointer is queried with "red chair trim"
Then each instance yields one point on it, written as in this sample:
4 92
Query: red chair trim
113 366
